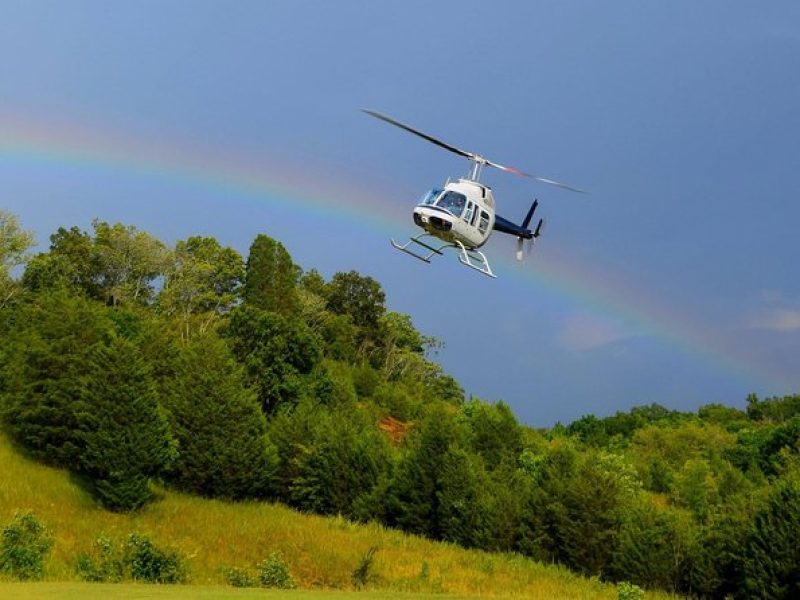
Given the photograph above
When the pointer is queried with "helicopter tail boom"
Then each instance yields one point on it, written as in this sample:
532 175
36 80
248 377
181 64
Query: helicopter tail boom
521 232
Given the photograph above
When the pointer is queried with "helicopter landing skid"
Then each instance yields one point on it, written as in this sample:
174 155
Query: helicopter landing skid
474 259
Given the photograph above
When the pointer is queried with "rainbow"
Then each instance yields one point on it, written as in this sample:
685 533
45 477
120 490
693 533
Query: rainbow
38 141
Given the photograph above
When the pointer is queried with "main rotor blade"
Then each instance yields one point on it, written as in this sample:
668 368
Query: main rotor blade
536 177
424 136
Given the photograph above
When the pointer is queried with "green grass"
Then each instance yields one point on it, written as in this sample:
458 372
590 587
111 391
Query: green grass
213 535
129 591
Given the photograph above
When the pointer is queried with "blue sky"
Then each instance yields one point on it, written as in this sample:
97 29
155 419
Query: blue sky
674 281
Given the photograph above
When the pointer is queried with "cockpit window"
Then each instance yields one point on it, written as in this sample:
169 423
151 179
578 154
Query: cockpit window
453 202
430 197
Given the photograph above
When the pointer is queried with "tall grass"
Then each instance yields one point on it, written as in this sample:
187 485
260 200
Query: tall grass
321 552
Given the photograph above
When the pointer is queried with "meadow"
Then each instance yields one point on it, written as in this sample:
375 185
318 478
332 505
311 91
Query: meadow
213 535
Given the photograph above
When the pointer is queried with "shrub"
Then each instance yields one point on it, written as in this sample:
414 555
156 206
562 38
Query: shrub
629 591
362 573
25 544
104 564
273 572
151 564
239 577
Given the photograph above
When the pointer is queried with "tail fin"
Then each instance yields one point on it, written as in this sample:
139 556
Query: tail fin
532 209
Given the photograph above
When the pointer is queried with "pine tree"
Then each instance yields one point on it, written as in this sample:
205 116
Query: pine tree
47 356
217 423
271 277
124 435
771 556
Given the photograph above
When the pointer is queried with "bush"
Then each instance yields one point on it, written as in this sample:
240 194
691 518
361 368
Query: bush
25 544
151 564
273 572
239 577
629 591
105 564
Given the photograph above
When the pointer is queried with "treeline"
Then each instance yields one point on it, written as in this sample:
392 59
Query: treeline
130 362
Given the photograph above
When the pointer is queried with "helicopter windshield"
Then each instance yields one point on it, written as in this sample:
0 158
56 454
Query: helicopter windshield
453 202
430 197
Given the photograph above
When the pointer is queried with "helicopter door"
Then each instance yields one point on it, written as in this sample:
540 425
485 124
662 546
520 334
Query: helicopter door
469 214
483 225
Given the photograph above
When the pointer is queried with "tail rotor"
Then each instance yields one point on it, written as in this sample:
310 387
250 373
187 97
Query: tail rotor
527 234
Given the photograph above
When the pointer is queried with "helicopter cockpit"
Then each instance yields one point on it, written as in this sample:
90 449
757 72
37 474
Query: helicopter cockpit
452 202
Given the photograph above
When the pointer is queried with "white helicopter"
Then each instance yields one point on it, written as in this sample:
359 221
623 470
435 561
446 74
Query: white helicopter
462 213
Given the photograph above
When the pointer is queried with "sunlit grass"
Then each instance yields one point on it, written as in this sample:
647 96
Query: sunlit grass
322 553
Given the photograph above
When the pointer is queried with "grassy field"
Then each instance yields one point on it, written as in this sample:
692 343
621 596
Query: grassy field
100 591
322 553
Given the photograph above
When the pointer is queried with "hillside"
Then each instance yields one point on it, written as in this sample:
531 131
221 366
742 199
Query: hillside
321 552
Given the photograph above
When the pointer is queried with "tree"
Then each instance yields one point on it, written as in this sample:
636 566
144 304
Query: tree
130 261
47 360
278 354
655 546
414 501
339 465
771 554
14 243
124 434
359 296
271 277
493 433
119 264
217 423
202 282
72 263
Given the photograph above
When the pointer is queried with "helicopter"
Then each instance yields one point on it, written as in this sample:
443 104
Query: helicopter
461 214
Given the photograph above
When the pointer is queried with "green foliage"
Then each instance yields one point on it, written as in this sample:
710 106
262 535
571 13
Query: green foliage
240 578
629 591
104 564
277 354
48 359
138 558
14 244
493 432
123 432
150 564
273 572
771 553
655 547
25 544
358 296
363 572
773 410
338 465
202 282
209 406
118 265
271 277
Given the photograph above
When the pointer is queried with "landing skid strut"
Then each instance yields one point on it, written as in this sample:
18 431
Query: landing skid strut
472 258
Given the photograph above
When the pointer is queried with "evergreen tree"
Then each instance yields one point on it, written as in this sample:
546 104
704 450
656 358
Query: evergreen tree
124 435
47 357
771 556
271 277
279 354
218 425
414 501
340 465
